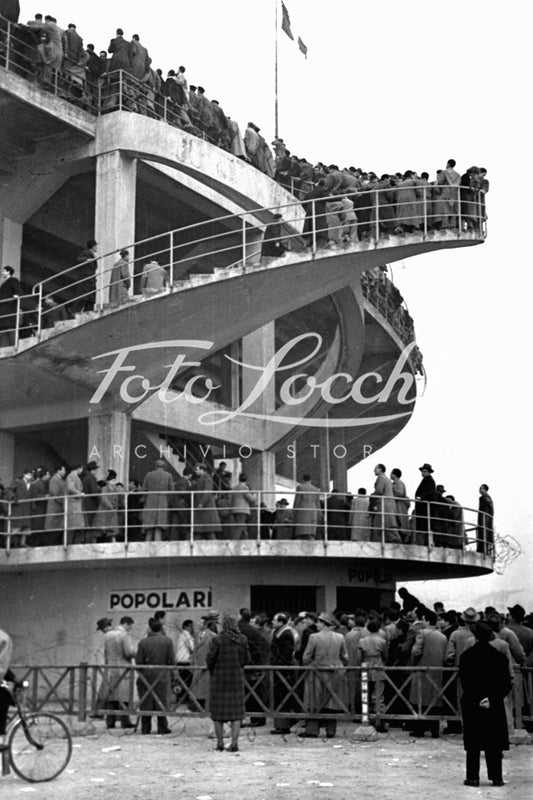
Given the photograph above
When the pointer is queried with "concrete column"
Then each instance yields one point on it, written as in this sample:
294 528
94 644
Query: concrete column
10 244
109 443
323 460
257 350
7 457
330 594
114 219
338 458
260 469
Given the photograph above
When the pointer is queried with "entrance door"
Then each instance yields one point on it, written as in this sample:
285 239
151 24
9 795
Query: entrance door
351 597
293 599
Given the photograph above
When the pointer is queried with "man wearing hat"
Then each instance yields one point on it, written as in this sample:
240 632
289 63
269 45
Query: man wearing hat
424 510
273 246
282 520
325 690
157 484
515 619
104 625
459 639
119 652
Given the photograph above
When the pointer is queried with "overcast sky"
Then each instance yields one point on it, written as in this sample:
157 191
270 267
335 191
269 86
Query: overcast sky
393 86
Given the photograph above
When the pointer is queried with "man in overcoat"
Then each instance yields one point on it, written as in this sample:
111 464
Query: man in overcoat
153 685
306 507
424 495
429 650
119 651
9 291
155 517
326 689
485 680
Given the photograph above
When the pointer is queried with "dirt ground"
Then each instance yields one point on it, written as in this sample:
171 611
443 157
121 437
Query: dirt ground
184 764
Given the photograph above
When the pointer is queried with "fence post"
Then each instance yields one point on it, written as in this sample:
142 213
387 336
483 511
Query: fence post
126 528
459 220
65 522
17 324
82 691
9 504
425 205
326 540
376 205
365 718
243 242
192 520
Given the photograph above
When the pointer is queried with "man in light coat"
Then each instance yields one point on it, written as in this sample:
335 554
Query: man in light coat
306 507
155 516
119 651
429 650
384 519
325 690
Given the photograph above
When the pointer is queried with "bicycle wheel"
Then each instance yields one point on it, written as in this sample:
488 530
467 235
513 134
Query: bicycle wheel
43 752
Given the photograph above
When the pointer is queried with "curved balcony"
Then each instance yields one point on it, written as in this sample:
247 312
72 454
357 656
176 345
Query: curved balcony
444 539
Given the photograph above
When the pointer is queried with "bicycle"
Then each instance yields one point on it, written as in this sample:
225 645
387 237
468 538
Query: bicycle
38 744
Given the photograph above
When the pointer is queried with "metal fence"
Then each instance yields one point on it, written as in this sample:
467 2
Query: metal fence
403 694
115 516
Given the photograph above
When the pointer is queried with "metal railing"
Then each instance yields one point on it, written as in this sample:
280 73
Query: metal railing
163 262
396 693
197 516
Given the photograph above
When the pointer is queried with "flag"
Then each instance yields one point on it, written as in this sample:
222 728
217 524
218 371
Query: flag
302 47
286 22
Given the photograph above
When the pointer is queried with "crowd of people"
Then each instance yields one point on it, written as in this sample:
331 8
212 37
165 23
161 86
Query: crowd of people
402 634
38 507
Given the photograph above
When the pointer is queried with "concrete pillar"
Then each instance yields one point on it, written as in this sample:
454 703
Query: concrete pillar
109 443
338 458
257 350
323 460
10 244
330 594
260 469
7 457
114 219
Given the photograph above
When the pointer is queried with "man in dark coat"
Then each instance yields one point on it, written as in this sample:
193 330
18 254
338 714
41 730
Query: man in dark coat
273 246
9 291
153 685
485 522
10 9
84 291
91 490
424 495
485 680
282 654
258 679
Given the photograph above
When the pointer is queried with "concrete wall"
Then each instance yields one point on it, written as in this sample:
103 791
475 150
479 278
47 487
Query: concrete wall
53 613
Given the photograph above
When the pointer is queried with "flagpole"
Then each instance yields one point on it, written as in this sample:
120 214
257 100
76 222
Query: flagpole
276 71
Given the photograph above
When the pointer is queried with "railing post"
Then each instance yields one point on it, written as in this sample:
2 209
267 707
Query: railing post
243 242
192 519
326 520
120 89
8 503
429 534
17 324
8 44
425 208
65 522
171 268
39 311
377 214
313 229
365 717
459 219
126 528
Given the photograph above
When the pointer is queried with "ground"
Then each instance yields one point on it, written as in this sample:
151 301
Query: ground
127 766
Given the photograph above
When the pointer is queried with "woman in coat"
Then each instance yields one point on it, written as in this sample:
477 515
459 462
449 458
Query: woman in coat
227 656
485 681
75 516
206 519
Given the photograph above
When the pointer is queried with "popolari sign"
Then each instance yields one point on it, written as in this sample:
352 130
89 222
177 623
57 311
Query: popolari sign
169 599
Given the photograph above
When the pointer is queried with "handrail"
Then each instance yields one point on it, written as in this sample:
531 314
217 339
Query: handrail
236 514
324 227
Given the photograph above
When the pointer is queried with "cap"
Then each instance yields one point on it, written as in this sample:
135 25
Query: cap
102 623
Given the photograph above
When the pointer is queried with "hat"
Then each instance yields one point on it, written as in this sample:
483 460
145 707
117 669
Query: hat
283 502
470 615
426 466
327 619
92 465
211 616
517 611
160 462
102 623
440 488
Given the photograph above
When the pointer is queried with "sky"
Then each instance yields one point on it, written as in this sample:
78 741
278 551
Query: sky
392 86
